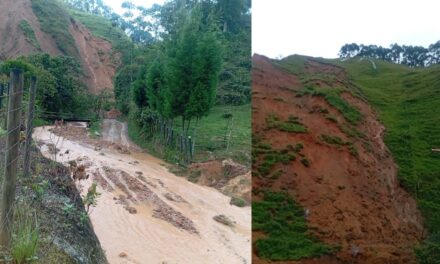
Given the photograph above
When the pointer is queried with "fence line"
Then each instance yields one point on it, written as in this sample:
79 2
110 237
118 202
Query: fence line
11 109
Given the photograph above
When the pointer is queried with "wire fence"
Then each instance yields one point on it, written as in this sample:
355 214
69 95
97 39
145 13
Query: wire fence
15 144
199 144
22 111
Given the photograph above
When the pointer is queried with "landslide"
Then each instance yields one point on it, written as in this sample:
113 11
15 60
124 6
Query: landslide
342 174
29 27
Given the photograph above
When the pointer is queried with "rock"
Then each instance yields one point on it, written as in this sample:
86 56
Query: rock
131 210
122 255
224 220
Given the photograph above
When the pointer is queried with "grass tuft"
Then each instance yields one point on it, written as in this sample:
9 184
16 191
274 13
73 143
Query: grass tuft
25 236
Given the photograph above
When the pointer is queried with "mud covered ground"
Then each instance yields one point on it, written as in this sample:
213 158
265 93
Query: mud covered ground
145 214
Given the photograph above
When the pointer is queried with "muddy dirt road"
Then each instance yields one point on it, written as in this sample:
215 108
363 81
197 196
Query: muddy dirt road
145 214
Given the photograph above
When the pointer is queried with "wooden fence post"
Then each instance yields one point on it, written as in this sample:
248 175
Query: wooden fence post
12 146
1 95
29 127
2 89
190 145
6 104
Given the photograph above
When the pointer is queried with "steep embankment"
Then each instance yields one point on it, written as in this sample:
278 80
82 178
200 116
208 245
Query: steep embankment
337 166
29 26
65 235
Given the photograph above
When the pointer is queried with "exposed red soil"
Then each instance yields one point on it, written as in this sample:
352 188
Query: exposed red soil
97 59
353 202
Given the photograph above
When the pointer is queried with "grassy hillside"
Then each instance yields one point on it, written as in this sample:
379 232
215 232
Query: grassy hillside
54 20
407 101
103 28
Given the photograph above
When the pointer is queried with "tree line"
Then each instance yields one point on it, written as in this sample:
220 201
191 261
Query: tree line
412 56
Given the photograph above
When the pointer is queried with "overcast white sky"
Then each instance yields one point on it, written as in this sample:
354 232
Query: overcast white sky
116 4
320 27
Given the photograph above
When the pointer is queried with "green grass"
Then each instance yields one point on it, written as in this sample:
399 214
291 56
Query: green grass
25 237
102 28
407 101
292 125
212 133
333 140
270 157
333 97
287 237
29 33
55 21
210 136
294 64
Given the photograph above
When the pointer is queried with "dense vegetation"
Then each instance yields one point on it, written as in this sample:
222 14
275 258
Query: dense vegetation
413 56
406 100
284 223
59 78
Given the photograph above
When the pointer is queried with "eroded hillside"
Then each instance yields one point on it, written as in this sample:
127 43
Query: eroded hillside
317 139
22 33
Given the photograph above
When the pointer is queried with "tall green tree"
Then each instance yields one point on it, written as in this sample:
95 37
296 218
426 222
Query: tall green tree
195 63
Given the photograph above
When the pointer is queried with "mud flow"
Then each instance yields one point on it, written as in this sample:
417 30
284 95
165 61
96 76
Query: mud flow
145 214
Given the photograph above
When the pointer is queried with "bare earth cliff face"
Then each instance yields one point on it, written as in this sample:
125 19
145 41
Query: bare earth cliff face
353 201
96 56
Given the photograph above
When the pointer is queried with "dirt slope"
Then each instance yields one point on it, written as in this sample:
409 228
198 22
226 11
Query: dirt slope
96 56
353 200
145 214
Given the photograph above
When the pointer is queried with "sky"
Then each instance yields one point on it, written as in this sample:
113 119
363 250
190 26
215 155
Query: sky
320 27
116 4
